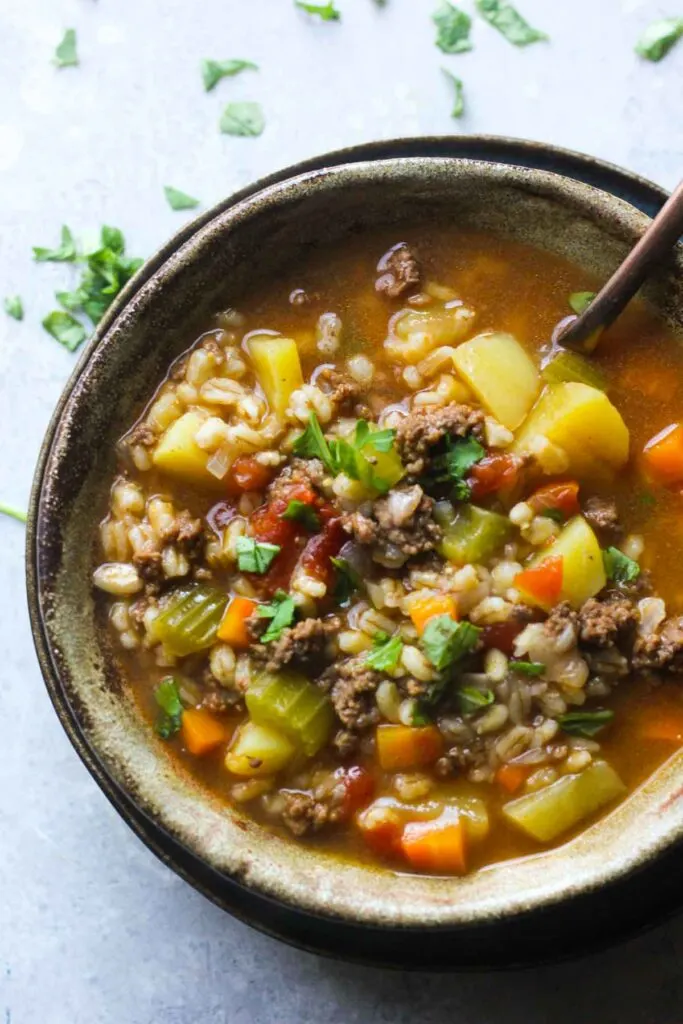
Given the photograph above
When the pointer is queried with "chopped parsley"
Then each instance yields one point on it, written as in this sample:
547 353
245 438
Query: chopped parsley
580 301
659 37
420 716
343 456
65 329
281 613
509 22
326 11
445 641
178 200
585 723
452 29
386 652
303 513
348 580
214 70
254 555
244 119
528 668
619 567
470 699
312 444
14 307
170 714
458 102
66 55
556 514
12 511
66 253
460 455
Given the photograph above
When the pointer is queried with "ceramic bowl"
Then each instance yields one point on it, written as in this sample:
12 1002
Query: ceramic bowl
536 908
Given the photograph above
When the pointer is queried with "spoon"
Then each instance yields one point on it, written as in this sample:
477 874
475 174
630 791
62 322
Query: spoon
582 332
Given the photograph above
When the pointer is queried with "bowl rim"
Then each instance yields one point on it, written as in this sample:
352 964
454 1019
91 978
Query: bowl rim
493 149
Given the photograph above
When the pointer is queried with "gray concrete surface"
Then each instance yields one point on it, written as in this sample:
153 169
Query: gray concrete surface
93 930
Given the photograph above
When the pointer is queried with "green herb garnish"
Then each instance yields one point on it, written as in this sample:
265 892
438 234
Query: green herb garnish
178 200
65 54
326 11
11 510
65 328
303 513
348 581
386 652
171 710
445 641
343 456
553 513
281 612
509 22
459 102
245 119
254 555
619 567
453 29
214 70
66 253
312 444
659 37
585 723
470 699
528 668
580 301
419 716
460 455
14 307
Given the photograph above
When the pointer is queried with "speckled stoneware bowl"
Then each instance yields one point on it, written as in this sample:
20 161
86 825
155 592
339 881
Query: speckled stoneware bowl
620 873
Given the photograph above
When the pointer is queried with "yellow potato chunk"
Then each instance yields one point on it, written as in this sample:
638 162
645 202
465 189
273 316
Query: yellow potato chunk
278 369
178 454
258 750
501 375
583 571
582 421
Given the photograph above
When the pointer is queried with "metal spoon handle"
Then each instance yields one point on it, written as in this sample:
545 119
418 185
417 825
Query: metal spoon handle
582 333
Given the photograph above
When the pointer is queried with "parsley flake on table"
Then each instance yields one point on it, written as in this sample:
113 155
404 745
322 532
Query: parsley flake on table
178 200
254 555
452 29
659 37
66 253
65 329
326 11
66 55
509 22
215 70
14 307
459 101
243 119
281 612
386 652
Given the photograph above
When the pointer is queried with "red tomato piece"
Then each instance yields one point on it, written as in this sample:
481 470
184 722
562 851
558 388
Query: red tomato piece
501 635
494 473
543 582
562 497
247 474
359 786
321 548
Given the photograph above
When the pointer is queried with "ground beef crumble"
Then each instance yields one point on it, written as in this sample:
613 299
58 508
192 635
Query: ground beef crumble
560 617
306 472
142 434
603 516
345 392
608 621
399 271
302 643
304 813
385 527
352 685
421 430
661 651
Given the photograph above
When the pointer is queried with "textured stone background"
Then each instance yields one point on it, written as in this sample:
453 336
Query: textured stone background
93 930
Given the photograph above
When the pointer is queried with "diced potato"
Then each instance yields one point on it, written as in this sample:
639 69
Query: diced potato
278 369
583 422
258 750
178 454
583 571
549 812
501 375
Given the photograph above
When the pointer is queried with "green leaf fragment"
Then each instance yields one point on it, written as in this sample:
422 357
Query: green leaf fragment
326 11
255 556
66 253
453 29
65 329
585 723
386 652
528 668
303 513
619 567
214 70
459 102
580 301
471 700
509 22
348 581
170 715
281 612
12 511
244 119
14 307
178 200
312 444
445 641
65 54
659 37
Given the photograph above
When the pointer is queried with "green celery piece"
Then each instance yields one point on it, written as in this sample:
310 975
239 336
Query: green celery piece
190 620
288 702
570 366
470 534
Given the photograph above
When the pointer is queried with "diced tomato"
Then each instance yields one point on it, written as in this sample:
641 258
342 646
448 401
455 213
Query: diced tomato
501 635
247 474
381 828
494 473
316 556
543 582
359 786
561 497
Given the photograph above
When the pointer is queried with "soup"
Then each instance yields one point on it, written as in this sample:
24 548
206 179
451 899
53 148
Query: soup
393 574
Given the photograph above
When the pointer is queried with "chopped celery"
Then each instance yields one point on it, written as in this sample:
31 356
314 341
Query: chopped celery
258 750
190 619
570 366
288 702
470 534
548 812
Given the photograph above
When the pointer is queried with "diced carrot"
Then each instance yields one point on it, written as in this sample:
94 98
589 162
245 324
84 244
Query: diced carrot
202 732
561 497
666 726
425 608
542 582
381 828
494 473
663 454
512 776
407 746
247 474
435 846
233 627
